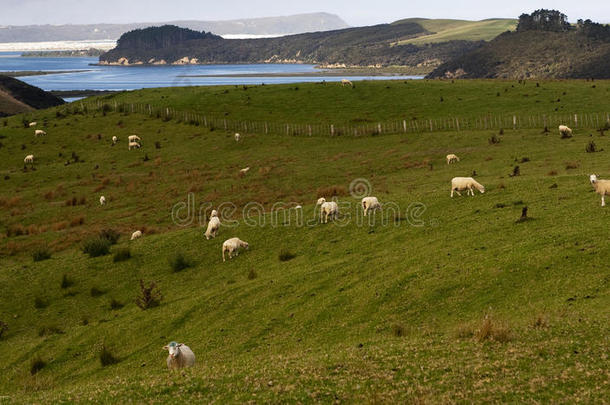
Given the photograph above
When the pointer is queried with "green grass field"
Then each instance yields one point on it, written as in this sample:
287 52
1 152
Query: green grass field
439 300
448 30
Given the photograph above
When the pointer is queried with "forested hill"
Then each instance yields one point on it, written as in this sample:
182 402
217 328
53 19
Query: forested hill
544 46
362 46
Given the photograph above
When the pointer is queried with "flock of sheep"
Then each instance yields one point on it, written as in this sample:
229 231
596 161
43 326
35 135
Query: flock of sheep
180 355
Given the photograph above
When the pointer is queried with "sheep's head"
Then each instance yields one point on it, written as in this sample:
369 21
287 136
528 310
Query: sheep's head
214 213
245 245
174 349
321 201
592 178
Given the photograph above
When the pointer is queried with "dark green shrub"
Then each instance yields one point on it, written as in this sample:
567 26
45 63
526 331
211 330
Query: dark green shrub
40 254
591 147
115 305
96 246
179 262
286 255
106 357
49 330
40 303
111 235
37 365
66 282
121 255
252 274
96 292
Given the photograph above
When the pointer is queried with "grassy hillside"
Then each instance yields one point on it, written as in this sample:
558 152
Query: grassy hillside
449 300
17 96
441 30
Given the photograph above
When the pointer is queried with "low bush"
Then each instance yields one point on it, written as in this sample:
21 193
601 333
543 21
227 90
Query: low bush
96 246
40 254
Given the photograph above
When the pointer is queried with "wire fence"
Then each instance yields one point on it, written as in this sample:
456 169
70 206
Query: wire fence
457 124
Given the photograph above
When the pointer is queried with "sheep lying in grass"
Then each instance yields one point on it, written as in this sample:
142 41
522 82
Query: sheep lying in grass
346 82
133 145
29 159
33 124
237 137
180 356
465 183
451 158
39 132
327 209
233 246
565 131
213 225
134 138
370 204
136 235
102 200
114 140
602 187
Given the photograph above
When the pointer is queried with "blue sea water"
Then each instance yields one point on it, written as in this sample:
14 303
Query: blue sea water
138 77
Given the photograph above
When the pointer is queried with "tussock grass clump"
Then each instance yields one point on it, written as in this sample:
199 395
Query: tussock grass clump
286 255
540 322
49 330
41 253
116 305
591 147
572 165
96 292
107 358
36 365
3 328
66 282
398 330
40 303
331 191
111 235
492 330
96 246
252 274
179 262
122 255
150 296
494 140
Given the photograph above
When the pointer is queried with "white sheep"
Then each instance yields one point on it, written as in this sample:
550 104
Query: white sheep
213 225
451 158
602 187
346 82
370 204
136 235
243 172
33 124
133 145
180 356
39 132
237 137
134 138
102 200
564 130
29 159
233 246
465 183
327 209
114 140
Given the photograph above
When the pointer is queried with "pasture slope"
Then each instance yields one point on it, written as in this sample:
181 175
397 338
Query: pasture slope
448 301
448 29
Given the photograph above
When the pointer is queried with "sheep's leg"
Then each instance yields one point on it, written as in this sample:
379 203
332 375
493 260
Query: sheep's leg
603 200
223 255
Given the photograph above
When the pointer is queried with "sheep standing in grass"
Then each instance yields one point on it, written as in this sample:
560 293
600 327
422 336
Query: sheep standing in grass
465 183
102 200
29 159
232 247
451 158
327 209
370 204
33 124
243 172
565 131
39 132
346 82
180 356
134 138
134 145
602 187
114 140
213 225
237 137
136 235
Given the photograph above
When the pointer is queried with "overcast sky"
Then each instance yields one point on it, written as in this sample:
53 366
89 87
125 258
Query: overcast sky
354 12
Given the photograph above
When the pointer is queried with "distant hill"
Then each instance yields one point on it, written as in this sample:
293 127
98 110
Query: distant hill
581 51
441 30
17 97
361 46
293 24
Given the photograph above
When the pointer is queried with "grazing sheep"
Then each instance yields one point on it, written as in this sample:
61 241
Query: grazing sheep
114 140
233 246
134 138
134 145
465 183
29 159
451 158
237 137
102 200
33 124
602 187
243 172
564 130
136 235
213 225
39 132
327 209
180 356
369 204
345 82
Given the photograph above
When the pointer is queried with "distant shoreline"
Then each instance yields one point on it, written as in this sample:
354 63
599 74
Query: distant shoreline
23 73
389 72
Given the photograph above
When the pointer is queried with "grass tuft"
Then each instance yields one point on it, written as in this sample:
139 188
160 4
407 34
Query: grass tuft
179 262
96 246
150 296
286 255
107 358
36 365
122 255
41 253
